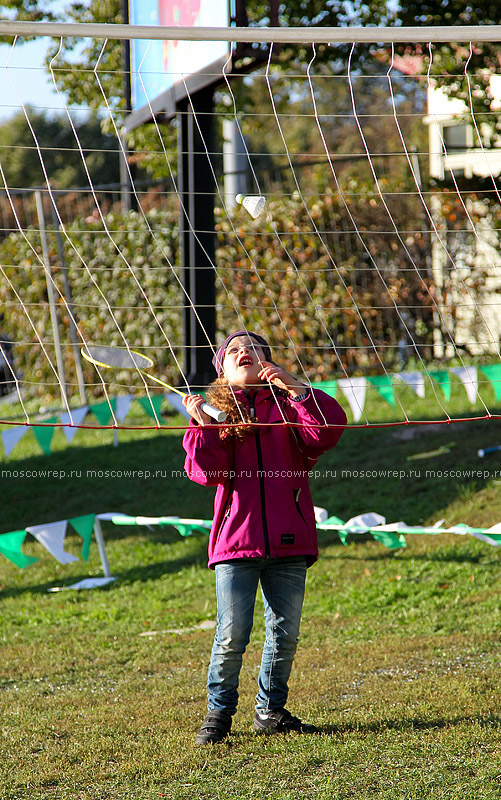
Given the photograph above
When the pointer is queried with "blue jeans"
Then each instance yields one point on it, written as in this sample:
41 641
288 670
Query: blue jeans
282 586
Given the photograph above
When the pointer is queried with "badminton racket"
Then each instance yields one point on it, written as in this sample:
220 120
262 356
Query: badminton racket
119 358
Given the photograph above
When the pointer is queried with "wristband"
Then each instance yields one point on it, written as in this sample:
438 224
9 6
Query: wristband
299 397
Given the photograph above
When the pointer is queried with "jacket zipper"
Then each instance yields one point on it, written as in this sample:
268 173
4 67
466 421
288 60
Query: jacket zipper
261 481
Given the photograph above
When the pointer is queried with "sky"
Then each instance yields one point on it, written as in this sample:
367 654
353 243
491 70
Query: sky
24 78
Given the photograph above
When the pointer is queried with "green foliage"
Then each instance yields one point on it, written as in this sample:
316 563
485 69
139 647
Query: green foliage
21 154
82 71
123 283
319 291
324 292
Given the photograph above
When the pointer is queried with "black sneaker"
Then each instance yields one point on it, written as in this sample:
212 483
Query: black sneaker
216 727
281 721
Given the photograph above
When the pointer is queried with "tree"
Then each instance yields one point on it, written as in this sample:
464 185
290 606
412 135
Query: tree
62 160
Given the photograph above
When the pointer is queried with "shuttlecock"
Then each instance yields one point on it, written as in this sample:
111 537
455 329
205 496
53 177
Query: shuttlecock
253 203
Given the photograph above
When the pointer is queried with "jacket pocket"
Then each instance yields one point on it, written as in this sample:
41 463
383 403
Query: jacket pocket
225 518
296 493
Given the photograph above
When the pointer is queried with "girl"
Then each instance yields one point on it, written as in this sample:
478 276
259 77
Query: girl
264 523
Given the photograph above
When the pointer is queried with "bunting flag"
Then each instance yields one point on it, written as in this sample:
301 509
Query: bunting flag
152 405
44 434
51 536
413 379
493 374
444 381
384 386
469 378
184 526
84 526
10 547
122 406
70 427
11 437
354 391
176 401
102 411
393 534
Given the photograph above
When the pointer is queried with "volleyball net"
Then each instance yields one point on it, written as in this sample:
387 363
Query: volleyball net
344 203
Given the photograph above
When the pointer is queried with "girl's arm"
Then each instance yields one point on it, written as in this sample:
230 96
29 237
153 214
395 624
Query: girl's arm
316 414
207 456
314 410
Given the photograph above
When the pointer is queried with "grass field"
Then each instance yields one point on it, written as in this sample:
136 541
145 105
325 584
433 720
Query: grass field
102 692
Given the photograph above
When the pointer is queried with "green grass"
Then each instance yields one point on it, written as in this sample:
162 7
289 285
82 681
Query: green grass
102 692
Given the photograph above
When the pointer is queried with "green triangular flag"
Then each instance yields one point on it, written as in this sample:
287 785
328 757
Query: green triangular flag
10 547
102 410
493 372
444 381
343 535
187 529
152 411
44 434
84 526
329 387
389 539
384 386
331 523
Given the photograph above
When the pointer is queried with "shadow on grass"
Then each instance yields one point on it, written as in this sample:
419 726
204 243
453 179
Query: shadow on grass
485 721
380 726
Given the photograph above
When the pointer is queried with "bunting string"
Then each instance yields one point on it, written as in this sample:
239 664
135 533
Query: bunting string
353 389
392 535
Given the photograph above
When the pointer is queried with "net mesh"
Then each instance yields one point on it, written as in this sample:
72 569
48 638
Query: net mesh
372 265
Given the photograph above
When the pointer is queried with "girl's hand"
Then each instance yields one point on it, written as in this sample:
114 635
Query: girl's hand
193 403
281 378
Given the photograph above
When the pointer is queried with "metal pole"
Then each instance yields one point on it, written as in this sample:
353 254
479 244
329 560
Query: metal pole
127 197
235 164
50 294
98 533
67 293
197 237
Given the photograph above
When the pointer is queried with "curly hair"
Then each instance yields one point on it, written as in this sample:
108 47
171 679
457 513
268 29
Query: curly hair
220 395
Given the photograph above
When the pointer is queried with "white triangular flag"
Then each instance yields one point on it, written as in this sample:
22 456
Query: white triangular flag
413 379
495 528
365 521
11 437
254 204
77 415
51 536
354 390
469 378
321 514
485 538
108 515
122 407
86 583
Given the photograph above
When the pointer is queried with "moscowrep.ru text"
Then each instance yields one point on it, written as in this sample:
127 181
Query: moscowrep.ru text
221 475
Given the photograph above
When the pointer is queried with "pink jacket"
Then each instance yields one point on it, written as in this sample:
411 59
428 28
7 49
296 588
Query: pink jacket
263 505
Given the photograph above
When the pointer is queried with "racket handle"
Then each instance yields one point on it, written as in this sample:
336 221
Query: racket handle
215 413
